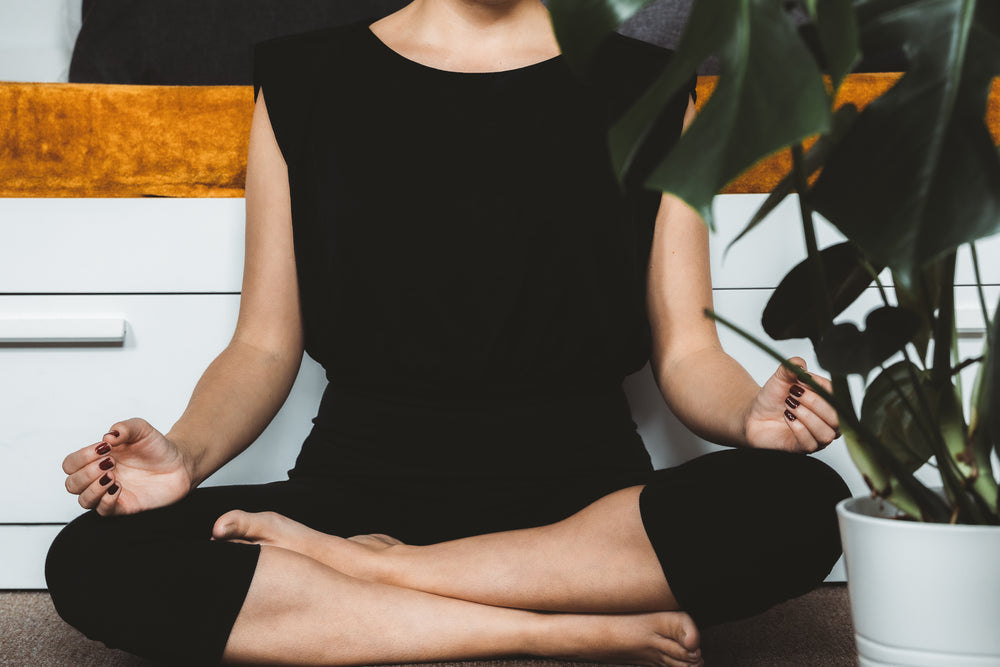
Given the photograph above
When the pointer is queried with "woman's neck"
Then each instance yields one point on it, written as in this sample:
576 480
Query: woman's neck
470 35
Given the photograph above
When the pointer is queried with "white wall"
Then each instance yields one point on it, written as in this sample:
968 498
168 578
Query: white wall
37 38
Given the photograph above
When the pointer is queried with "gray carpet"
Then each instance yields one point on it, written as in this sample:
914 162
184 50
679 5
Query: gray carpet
812 631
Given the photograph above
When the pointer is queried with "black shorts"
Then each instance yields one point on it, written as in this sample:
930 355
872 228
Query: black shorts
736 532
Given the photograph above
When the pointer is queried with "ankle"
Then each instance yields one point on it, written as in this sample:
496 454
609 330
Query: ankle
389 565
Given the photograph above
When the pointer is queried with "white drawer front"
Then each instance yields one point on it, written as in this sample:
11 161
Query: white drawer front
765 255
22 555
74 246
55 398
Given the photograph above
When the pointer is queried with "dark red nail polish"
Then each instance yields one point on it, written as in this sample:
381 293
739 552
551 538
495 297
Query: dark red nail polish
796 390
114 433
105 480
103 448
106 464
789 416
113 489
791 402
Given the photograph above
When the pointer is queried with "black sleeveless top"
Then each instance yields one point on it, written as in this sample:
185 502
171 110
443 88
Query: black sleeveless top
471 272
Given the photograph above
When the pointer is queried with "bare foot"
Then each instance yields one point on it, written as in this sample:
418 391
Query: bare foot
354 556
656 639
659 639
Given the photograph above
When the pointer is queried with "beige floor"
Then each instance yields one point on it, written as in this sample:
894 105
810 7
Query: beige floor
812 631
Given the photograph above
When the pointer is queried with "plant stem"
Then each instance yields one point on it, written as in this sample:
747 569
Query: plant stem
979 285
824 313
955 482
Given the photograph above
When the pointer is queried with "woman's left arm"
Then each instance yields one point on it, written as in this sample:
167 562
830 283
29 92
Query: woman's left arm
708 390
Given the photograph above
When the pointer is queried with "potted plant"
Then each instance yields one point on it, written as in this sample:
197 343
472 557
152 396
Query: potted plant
907 180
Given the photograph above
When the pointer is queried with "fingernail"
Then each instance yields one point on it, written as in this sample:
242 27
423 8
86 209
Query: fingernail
789 416
114 433
791 402
796 390
103 448
106 464
113 489
104 481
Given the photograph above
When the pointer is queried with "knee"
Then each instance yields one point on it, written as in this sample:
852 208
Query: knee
76 571
809 535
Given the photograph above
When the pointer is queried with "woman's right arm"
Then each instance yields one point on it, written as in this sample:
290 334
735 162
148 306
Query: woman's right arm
241 391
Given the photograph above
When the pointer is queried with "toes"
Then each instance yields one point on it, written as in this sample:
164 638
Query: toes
680 627
233 525
681 639
675 653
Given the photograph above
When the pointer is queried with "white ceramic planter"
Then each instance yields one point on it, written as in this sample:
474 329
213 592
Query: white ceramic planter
922 595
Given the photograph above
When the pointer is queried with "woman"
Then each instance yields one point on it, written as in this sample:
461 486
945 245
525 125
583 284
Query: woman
474 280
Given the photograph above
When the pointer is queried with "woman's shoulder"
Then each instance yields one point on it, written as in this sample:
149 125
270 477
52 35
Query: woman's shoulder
625 67
306 52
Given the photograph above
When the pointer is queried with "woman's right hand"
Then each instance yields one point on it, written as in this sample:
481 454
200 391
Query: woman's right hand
133 468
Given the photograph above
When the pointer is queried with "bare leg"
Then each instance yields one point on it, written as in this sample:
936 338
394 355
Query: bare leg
598 560
299 611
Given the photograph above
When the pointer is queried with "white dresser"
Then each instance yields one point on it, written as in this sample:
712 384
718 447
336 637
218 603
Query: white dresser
157 281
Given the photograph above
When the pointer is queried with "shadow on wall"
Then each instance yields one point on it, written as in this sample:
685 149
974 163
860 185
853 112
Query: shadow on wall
210 42
196 42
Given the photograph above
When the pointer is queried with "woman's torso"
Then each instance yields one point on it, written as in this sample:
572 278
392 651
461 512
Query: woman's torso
471 272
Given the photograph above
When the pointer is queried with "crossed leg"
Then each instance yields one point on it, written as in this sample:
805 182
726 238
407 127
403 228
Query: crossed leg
750 528
369 600
598 560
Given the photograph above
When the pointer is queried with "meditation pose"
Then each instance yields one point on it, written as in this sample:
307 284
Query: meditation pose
432 215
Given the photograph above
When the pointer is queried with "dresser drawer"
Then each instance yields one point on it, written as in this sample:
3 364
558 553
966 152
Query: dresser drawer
116 246
55 398
763 257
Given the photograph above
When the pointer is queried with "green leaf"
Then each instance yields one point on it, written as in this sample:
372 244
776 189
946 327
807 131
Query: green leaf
958 471
917 174
981 438
814 159
890 410
770 95
904 491
581 26
992 391
838 33
791 310
844 349
923 297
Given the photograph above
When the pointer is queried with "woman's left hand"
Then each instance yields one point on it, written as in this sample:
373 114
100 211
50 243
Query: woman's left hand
790 416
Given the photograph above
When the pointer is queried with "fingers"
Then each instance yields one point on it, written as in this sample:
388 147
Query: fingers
127 431
80 480
811 419
91 470
109 501
83 457
101 493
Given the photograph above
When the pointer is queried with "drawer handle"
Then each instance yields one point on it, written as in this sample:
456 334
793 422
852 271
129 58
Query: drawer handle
62 330
969 323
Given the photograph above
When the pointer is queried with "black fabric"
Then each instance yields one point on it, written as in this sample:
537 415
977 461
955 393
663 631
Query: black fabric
736 532
462 240
196 42
185 590
739 531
